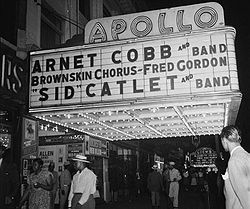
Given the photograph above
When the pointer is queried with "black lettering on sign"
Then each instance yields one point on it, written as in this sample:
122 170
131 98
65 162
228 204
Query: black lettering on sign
113 57
121 85
44 95
36 67
212 82
165 51
132 55
78 61
88 90
153 84
92 59
149 53
68 92
64 63
105 89
135 87
171 79
50 64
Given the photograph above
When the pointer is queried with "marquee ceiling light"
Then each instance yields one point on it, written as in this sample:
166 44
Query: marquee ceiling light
183 118
137 120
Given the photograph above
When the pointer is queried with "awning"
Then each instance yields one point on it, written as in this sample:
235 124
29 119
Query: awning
176 117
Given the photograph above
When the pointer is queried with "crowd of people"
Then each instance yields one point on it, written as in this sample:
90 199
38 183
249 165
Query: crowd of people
167 181
78 191
75 191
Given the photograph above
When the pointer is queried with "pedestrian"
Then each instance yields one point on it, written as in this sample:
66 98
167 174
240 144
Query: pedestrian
55 183
131 181
221 163
138 182
175 177
200 180
186 180
194 181
9 180
114 186
65 180
83 185
237 176
166 179
39 187
155 186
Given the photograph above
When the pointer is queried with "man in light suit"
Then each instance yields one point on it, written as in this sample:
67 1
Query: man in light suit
237 176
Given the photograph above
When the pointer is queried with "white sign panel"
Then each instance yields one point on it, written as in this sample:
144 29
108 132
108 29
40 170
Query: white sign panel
158 22
168 67
55 153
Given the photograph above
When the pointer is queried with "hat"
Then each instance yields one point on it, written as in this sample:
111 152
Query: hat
154 167
171 163
66 163
81 158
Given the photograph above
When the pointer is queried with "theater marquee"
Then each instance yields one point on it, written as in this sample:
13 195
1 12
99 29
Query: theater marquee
171 21
163 73
202 63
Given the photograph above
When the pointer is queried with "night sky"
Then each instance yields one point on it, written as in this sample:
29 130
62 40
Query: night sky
237 15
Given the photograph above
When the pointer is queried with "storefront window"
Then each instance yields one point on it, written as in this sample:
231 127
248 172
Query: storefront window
5 128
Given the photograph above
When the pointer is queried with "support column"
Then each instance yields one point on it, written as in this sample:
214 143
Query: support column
138 156
106 189
217 144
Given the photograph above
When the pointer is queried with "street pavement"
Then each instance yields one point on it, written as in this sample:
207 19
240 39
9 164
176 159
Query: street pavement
187 200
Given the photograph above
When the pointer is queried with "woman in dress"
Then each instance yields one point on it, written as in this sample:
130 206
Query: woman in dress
39 187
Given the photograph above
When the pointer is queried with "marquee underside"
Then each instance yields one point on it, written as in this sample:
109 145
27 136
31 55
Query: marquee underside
197 115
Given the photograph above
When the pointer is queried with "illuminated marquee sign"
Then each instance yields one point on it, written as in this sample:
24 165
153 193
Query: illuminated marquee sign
187 65
203 157
96 147
158 22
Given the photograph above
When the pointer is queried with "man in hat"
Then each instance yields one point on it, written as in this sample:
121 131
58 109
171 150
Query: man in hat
237 175
83 185
174 178
65 180
155 186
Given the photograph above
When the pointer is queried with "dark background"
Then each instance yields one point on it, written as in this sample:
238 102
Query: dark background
237 15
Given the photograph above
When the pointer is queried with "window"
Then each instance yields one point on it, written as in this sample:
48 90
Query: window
106 12
8 20
84 7
51 27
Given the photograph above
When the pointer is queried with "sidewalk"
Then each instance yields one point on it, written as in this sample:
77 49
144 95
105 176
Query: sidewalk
141 202
187 200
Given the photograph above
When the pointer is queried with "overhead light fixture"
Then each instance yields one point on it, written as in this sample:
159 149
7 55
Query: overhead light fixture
184 120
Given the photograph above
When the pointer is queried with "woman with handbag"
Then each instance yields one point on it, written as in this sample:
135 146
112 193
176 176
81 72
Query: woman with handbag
39 187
